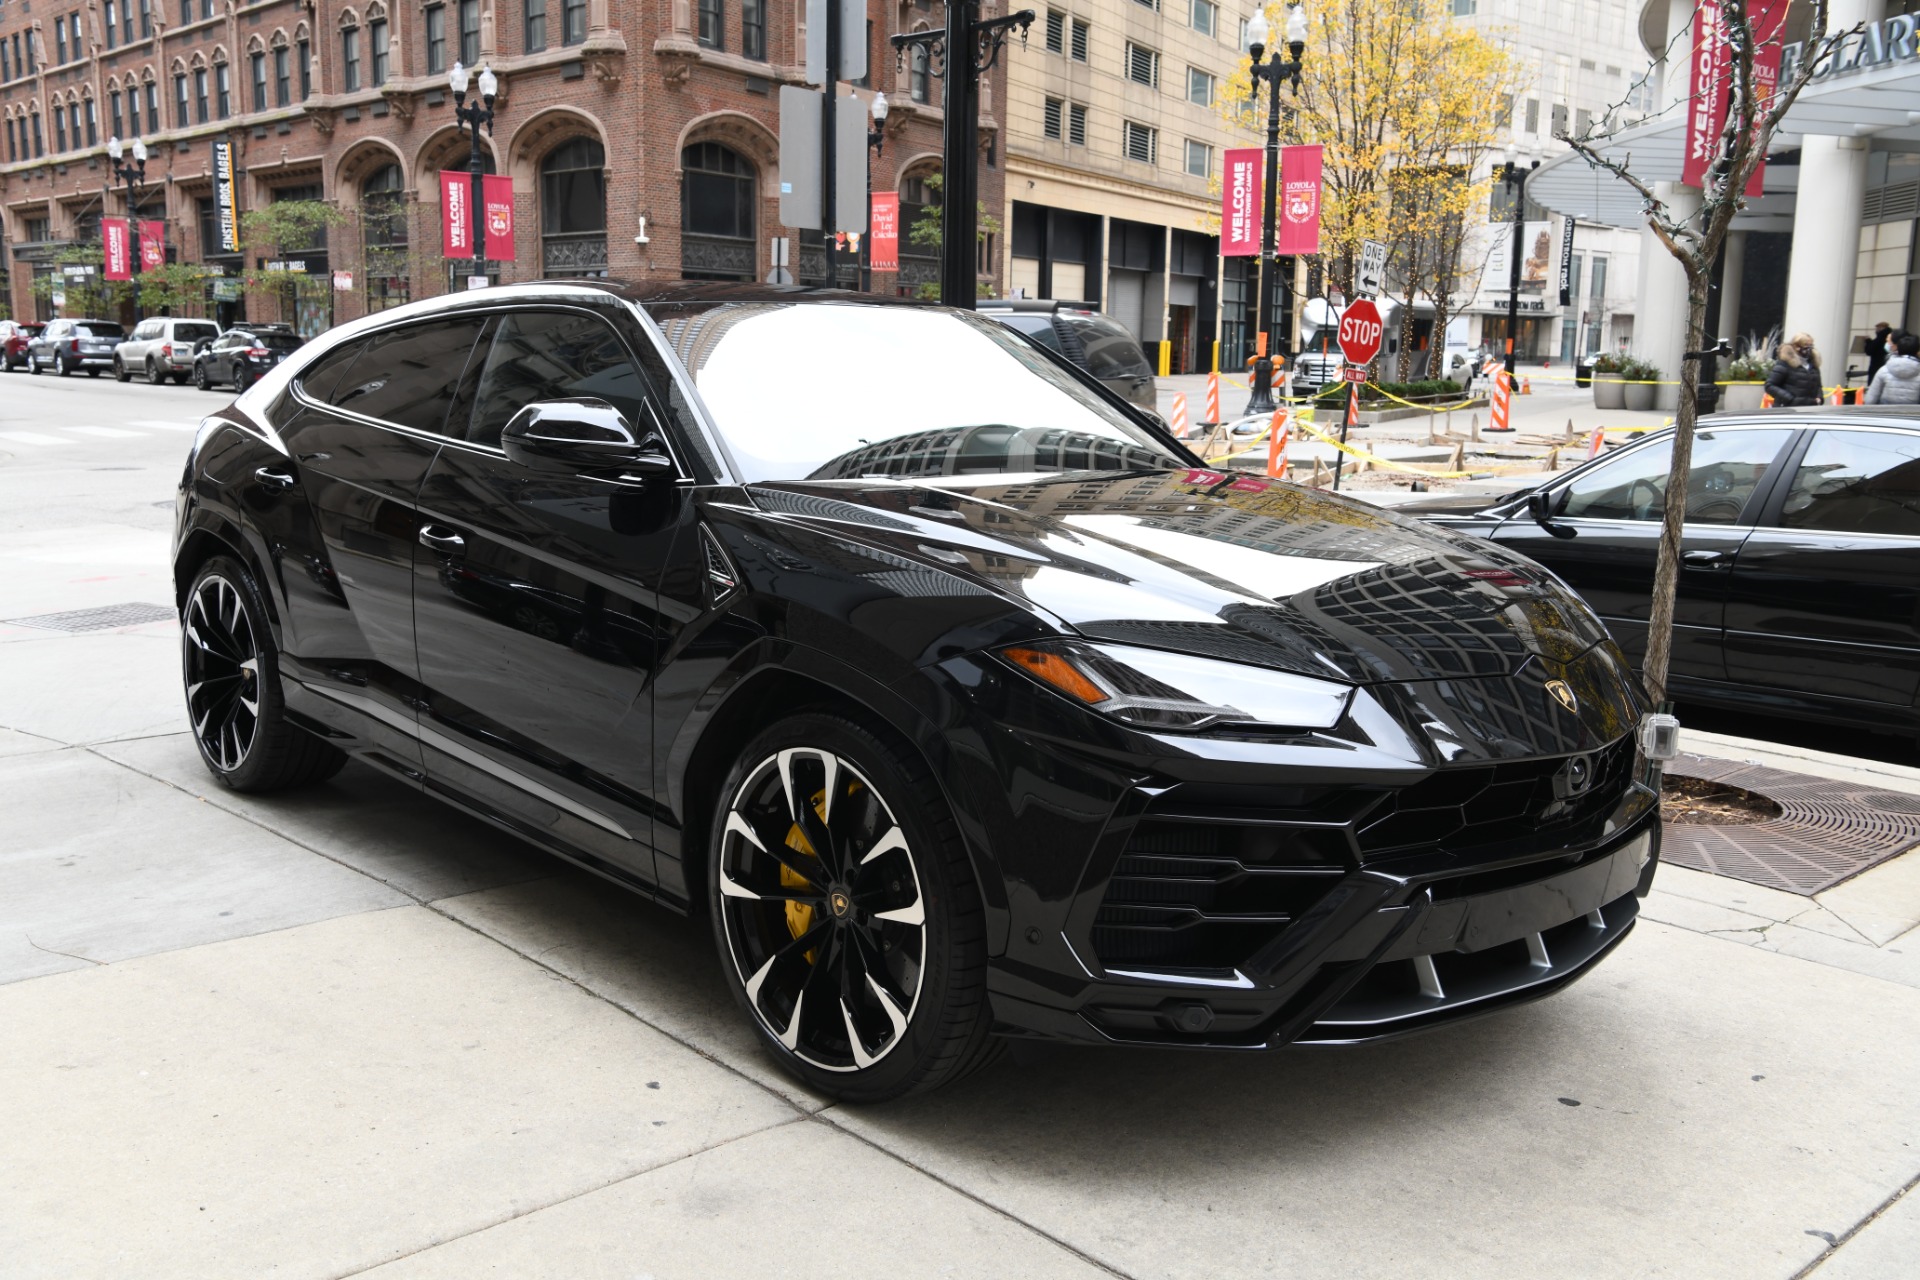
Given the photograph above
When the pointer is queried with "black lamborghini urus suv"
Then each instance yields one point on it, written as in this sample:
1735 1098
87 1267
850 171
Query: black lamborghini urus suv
965 701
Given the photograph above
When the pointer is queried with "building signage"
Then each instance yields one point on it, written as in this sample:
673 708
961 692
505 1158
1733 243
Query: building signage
293 266
1712 64
153 245
1240 189
884 243
225 201
116 251
1875 44
1566 261
343 282
1299 230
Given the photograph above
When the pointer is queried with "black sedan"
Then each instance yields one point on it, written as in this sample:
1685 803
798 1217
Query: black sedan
1799 587
962 699
242 356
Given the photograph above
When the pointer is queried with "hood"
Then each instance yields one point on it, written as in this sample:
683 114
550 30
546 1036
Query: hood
1902 369
1456 504
1227 565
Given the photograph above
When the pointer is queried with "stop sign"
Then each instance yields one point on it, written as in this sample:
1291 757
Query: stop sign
1360 332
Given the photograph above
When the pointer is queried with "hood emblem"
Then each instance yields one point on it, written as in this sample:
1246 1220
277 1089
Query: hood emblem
1563 694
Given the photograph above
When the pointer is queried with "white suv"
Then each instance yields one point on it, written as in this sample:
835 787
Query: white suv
162 347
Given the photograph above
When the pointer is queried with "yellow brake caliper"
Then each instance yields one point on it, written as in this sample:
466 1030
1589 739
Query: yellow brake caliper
800 914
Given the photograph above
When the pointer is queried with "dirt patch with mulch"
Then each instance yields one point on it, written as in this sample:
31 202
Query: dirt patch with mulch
1698 802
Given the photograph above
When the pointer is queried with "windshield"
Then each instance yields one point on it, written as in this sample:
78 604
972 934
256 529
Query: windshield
833 390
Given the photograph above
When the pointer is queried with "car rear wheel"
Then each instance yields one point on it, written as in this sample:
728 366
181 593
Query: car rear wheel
154 376
241 380
849 924
200 377
233 688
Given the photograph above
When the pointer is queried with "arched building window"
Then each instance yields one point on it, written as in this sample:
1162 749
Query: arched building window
383 238
718 194
573 210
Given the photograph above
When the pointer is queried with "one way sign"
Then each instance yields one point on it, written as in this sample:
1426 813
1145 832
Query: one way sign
1372 277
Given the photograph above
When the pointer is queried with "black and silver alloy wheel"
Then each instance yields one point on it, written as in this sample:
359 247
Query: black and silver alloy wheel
222 661
822 908
234 705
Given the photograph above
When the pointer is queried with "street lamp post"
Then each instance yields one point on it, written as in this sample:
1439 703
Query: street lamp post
876 141
1516 177
131 175
473 115
1275 73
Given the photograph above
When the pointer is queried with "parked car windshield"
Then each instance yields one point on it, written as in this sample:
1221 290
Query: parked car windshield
832 390
99 329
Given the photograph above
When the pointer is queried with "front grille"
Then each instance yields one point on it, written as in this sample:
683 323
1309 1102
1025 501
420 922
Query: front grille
1200 895
1464 809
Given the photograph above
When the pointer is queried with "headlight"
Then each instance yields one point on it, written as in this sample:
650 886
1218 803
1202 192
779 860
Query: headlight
1155 689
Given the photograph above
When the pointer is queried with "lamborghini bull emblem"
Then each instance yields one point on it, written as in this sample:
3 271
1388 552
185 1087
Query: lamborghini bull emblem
1563 694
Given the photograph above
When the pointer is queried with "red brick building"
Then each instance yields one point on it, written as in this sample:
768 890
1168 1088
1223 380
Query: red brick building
641 136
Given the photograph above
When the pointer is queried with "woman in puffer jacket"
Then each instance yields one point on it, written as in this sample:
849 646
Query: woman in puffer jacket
1898 380
1795 379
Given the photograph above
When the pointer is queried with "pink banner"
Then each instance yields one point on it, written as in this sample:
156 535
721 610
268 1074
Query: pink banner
1299 200
1711 66
153 245
1240 189
116 248
497 190
884 246
456 214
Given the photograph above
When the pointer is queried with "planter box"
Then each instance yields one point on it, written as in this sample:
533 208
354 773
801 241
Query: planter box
1609 392
1639 395
1742 397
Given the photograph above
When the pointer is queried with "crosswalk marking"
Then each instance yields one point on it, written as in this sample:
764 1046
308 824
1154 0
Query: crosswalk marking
31 437
107 433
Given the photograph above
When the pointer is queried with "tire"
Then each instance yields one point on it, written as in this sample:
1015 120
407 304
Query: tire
200 377
241 381
120 371
61 367
154 376
227 654
892 908
33 365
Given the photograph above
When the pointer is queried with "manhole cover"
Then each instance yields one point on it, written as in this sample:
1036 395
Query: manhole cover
1827 831
101 619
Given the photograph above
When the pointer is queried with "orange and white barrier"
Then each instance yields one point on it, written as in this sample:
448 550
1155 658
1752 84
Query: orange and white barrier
1597 443
1277 436
1213 396
1181 427
1500 412
1353 405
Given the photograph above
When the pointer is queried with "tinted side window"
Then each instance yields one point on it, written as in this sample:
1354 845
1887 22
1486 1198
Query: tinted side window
546 355
407 376
1857 482
1727 466
1039 328
317 380
1111 351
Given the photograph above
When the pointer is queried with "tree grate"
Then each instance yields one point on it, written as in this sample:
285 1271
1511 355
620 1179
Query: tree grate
104 618
1827 831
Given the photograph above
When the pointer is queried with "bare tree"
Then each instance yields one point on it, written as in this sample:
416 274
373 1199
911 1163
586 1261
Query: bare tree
1694 240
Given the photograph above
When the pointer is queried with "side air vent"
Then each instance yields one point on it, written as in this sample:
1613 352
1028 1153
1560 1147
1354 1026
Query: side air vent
721 574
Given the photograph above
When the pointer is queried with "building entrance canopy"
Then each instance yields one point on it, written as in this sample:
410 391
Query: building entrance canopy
1870 95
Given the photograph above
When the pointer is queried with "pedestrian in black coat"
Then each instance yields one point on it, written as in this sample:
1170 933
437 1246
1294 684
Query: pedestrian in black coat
1795 379
1877 348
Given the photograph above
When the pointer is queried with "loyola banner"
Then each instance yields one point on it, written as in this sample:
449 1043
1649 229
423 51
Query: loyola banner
153 245
116 252
1240 189
1712 69
883 245
1299 200
456 215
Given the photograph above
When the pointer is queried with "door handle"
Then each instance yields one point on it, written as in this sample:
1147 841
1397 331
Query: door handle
1705 560
274 478
441 541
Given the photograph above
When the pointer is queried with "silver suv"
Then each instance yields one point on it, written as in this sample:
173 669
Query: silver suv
162 347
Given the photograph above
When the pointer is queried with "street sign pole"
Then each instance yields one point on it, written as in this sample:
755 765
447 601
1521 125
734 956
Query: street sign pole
1360 335
828 119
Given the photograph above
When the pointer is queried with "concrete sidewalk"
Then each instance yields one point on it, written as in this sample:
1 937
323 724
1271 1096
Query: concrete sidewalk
346 1031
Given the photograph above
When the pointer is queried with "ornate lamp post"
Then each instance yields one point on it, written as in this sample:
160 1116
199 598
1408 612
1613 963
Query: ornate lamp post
131 176
876 141
473 115
968 47
1275 73
1516 177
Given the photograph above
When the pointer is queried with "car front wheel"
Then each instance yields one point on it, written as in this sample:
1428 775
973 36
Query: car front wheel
33 365
233 688
120 372
849 924
62 367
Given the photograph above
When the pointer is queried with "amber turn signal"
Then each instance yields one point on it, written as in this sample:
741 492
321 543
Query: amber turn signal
1058 672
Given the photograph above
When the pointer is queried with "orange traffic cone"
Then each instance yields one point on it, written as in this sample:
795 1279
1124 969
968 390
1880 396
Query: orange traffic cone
1597 443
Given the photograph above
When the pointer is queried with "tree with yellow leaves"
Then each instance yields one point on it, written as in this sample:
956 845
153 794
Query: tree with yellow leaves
1405 102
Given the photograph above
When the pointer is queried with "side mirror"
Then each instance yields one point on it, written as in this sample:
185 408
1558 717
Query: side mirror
1540 505
580 435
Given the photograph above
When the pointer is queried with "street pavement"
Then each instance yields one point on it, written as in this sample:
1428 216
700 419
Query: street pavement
346 1031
